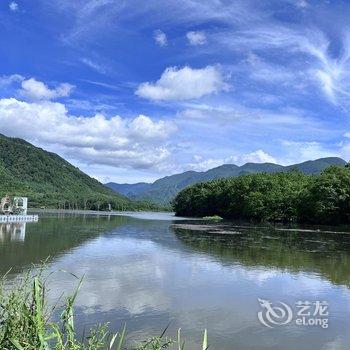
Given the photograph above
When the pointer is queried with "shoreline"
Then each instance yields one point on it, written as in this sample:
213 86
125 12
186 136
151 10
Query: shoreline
141 214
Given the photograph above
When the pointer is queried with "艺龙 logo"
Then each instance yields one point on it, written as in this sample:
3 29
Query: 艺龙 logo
272 316
308 313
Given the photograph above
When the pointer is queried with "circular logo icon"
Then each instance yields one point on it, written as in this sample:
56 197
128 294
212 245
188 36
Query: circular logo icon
272 316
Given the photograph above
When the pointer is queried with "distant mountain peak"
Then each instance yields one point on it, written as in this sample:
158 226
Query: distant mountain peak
163 190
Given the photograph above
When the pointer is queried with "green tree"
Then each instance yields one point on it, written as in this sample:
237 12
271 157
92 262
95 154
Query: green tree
278 197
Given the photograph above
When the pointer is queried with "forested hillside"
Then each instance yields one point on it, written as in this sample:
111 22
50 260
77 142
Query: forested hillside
50 181
165 189
280 197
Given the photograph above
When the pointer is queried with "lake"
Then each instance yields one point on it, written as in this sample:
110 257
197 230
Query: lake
252 287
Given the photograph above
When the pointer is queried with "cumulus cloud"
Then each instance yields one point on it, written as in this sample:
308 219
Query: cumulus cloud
299 151
118 142
258 156
144 128
196 38
36 90
202 164
13 6
160 38
184 84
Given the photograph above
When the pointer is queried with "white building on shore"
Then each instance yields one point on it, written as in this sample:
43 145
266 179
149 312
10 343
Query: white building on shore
14 209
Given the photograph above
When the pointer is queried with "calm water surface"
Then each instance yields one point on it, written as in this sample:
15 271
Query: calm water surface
150 270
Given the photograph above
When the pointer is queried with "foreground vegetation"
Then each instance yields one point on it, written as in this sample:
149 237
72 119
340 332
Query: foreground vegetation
26 324
49 181
279 197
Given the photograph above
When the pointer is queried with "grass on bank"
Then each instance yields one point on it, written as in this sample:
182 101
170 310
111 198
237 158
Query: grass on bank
26 324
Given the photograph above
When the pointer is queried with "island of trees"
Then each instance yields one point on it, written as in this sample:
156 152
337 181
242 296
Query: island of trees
279 197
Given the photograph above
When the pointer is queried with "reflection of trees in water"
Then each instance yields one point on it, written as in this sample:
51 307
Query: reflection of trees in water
326 254
49 237
15 232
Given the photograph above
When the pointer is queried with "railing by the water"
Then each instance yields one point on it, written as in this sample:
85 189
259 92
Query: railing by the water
18 218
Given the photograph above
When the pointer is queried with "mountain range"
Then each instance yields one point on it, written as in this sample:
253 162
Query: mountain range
163 190
50 181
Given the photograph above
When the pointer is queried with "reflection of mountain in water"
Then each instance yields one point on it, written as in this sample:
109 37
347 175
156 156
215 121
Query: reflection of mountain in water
325 253
14 231
21 246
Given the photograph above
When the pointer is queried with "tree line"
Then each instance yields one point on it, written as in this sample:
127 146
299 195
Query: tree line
278 197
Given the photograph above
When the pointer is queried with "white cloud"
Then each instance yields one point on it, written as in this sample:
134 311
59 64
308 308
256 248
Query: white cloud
300 151
36 90
331 73
225 114
10 79
13 6
345 147
201 164
258 156
196 38
311 59
96 66
302 4
119 142
91 17
345 151
160 38
144 128
260 70
184 84
210 114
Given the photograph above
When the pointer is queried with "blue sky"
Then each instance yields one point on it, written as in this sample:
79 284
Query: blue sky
132 91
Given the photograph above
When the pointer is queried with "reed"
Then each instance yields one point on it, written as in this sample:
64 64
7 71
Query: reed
26 323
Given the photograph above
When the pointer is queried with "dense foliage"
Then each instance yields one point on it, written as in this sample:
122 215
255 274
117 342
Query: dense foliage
50 181
279 197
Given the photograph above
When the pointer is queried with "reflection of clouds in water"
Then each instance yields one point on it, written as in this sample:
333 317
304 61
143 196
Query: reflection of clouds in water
118 274
140 272
313 284
259 276
137 279
131 265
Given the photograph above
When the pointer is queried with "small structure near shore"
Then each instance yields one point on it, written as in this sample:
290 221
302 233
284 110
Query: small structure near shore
14 209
